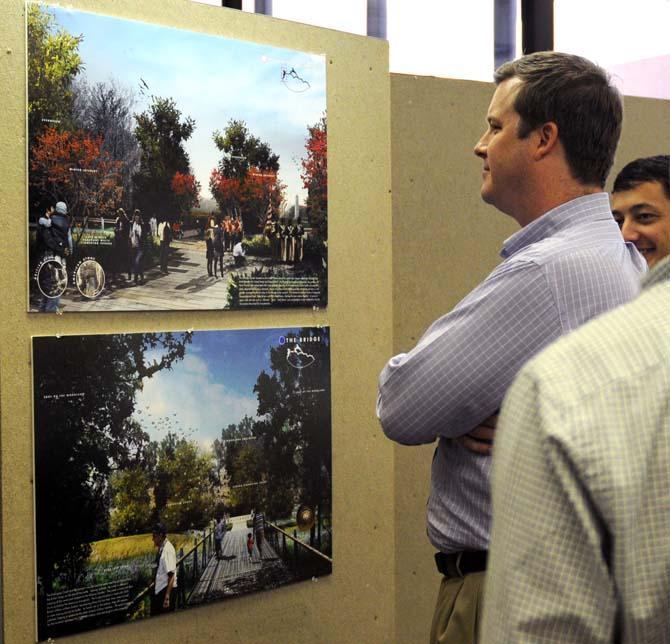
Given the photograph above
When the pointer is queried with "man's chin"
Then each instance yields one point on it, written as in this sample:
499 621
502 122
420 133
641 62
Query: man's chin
487 196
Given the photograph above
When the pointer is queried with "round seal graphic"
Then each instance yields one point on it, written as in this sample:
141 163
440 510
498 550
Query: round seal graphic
89 276
51 277
305 517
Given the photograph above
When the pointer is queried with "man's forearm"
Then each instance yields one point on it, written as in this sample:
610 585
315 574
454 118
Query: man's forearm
169 587
458 373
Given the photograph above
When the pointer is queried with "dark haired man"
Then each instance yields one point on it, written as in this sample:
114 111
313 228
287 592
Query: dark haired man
552 129
163 597
641 205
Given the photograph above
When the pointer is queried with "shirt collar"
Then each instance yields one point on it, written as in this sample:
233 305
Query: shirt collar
660 273
593 207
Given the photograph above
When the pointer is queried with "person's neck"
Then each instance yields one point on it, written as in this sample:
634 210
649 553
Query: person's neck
553 196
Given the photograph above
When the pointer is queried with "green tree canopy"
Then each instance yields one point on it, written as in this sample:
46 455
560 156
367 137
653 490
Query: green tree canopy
131 502
294 406
53 63
85 389
242 151
184 485
291 452
245 179
161 134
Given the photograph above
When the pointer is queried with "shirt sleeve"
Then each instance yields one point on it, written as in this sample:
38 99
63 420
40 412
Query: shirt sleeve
170 560
548 579
458 373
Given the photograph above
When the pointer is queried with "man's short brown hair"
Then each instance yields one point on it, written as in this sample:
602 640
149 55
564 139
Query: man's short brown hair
578 96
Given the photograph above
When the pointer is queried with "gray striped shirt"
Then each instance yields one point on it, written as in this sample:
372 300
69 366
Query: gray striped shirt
580 550
558 272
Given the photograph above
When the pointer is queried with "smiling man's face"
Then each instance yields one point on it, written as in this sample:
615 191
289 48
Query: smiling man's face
643 214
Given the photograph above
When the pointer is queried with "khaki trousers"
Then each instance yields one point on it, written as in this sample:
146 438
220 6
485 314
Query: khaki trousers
458 611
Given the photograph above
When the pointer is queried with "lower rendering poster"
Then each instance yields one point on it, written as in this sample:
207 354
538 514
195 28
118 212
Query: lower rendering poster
175 469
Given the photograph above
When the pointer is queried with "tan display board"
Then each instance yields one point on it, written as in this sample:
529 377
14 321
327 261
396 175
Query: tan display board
445 241
355 603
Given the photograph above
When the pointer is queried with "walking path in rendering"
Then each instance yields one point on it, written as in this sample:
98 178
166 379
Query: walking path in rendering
236 573
186 286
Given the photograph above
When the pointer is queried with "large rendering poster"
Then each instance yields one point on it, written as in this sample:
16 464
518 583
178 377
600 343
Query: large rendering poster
170 169
206 455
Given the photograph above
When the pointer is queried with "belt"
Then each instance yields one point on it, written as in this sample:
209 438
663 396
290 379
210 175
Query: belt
459 564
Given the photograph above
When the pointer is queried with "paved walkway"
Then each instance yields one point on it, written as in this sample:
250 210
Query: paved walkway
186 286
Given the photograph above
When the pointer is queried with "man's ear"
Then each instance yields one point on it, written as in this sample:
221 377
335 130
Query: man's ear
547 140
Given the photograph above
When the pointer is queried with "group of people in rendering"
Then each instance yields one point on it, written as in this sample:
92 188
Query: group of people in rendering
133 237
286 237
222 236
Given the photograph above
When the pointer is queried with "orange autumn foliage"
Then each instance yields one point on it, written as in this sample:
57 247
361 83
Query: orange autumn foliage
73 167
186 189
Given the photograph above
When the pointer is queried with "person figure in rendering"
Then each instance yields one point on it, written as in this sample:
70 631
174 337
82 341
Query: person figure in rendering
137 240
238 230
219 246
219 532
641 206
299 237
259 531
227 233
165 582
290 242
567 264
273 233
120 263
284 239
250 546
209 245
239 254
165 237
153 226
55 238
579 543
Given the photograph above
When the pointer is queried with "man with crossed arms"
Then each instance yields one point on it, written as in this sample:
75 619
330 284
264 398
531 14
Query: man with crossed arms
553 126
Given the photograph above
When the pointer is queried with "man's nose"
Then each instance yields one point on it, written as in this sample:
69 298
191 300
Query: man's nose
629 230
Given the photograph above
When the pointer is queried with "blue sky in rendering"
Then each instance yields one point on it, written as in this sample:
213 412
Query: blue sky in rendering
211 387
212 79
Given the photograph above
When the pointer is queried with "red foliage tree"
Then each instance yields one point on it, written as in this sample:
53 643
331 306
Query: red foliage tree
251 193
315 176
186 191
72 167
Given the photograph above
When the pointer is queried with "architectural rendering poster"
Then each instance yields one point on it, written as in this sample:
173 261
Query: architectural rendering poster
169 169
175 469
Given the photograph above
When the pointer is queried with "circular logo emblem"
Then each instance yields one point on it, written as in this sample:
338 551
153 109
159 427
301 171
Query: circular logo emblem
89 276
51 277
305 517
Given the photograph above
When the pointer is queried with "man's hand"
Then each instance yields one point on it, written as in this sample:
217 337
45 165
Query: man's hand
166 601
480 439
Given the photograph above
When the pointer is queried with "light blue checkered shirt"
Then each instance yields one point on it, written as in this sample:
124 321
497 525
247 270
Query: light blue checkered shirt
558 271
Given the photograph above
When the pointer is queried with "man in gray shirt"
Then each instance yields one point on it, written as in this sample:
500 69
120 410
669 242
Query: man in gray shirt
552 129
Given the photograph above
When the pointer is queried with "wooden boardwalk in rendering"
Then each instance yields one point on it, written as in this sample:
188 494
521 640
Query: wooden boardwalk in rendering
235 573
